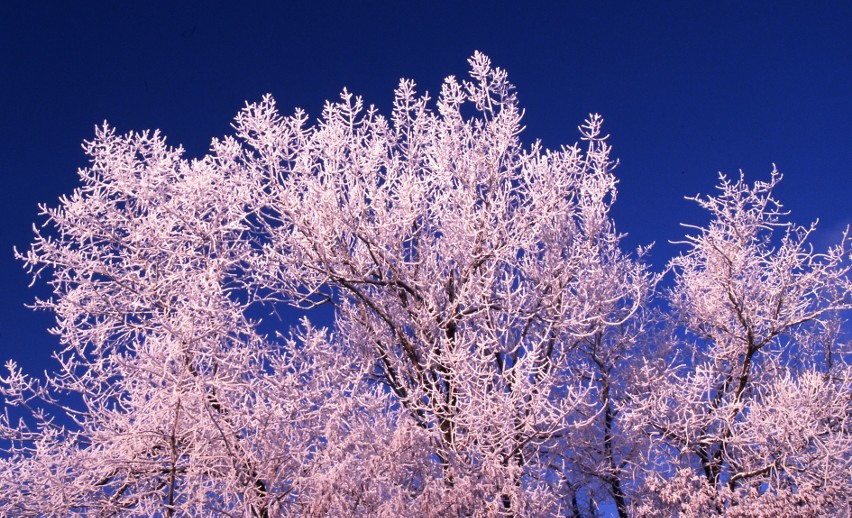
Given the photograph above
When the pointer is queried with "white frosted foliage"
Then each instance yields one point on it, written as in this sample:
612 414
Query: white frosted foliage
493 350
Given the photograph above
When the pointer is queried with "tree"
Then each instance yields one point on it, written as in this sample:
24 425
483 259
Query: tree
174 404
459 264
492 346
756 419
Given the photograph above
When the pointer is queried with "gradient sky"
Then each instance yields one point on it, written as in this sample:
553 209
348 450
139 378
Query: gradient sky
687 89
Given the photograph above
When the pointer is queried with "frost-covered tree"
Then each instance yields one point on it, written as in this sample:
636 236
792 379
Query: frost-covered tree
493 350
463 269
167 401
755 416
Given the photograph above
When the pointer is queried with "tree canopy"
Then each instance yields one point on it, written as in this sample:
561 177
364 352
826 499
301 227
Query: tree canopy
493 349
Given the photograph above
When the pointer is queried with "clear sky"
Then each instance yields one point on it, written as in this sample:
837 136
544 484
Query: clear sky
687 89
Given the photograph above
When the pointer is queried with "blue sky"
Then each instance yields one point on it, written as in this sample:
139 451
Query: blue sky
687 89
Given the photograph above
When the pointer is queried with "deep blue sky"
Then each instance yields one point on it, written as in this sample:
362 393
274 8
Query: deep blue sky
687 89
